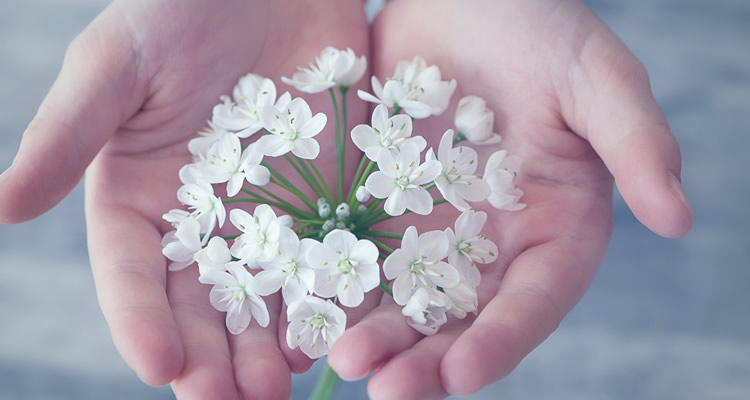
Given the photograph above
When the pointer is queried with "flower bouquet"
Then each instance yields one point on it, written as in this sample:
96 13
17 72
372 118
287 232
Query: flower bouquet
319 242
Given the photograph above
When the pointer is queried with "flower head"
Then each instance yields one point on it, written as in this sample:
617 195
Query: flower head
385 134
180 245
291 129
234 293
214 257
458 183
499 173
314 325
226 162
475 121
289 270
207 208
332 68
418 264
345 267
400 180
415 87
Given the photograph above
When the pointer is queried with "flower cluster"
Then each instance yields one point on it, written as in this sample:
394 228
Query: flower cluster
322 252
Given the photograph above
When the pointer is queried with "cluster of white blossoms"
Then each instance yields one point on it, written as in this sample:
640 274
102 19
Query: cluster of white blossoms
322 251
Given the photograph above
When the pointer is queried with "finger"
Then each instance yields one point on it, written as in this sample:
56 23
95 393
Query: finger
539 288
95 91
260 369
208 371
380 336
608 100
415 373
129 271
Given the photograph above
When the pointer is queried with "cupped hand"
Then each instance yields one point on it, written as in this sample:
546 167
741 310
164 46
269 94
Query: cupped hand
576 106
135 86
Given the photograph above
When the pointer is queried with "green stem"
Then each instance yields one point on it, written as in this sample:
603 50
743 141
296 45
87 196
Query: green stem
459 137
355 180
306 175
339 150
293 190
308 234
387 235
396 110
280 203
385 288
327 384
329 194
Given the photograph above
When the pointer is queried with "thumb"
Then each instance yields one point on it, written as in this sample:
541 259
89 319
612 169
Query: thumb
82 111
611 105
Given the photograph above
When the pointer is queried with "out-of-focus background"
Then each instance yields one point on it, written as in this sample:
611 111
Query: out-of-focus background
664 319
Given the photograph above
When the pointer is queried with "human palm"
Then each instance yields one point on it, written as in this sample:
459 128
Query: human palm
137 84
575 105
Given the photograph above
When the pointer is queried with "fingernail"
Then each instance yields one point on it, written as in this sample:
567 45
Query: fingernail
679 191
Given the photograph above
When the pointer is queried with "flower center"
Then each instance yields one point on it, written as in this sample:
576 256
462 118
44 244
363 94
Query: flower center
318 321
290 268
417 266
403 182
346 265
238 293
386 142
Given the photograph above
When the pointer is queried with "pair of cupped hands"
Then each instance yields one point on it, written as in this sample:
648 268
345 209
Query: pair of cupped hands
141 80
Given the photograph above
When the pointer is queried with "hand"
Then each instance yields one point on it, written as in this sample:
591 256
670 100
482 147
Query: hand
576 106
136 85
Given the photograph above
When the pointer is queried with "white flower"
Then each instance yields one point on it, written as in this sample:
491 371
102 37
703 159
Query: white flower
214 256
400 179
385 134
206 138
292 130
314 325
467 245
207 208
226 162
499 173
259 241
415 87
289 270
464 299
242 113
458 183
234 293
345 267
180 245
417 264
426 310
475 121
332 68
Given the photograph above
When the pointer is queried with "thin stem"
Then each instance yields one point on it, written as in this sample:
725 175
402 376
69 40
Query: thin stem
305 174
387 235
342 144
311 233
293 190
396 110
339 150
327 384
329 194
385 288
355 180
280 203
459 137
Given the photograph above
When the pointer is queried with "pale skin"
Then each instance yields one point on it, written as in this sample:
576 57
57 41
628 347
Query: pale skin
570 99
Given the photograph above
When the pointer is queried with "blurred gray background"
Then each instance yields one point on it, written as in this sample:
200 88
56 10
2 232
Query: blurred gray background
664 319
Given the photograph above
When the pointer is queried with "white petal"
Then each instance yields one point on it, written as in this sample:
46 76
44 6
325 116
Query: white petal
313 126
306 148
433 245
397 201
258 175
269 281
380 185
403 289
350 292
274 145
444 275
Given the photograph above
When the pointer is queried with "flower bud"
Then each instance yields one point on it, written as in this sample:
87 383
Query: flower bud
361 208
324 210
362 194
475 121
340 225
342 210
321 201
286 220
328 225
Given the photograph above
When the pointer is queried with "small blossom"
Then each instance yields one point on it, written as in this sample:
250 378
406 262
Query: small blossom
242 113
207 137
345 267
475 121
385 135
332 68
499 173
464 299
259 241
314 326
458 183
467 246
400 180
426 310
289 270
417 264
418 89
180 245
291 129
342 211
214 256
234 293
226 162
207 208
